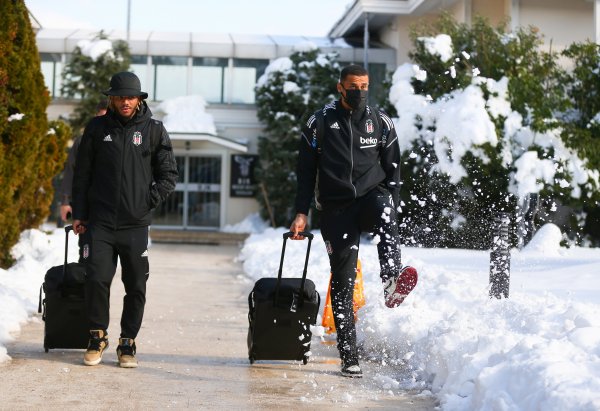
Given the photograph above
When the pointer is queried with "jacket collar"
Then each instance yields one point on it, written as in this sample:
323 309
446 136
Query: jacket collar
138 117
356 115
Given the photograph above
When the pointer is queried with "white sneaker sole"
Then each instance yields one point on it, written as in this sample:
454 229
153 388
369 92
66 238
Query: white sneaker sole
128 365
351 375
95 362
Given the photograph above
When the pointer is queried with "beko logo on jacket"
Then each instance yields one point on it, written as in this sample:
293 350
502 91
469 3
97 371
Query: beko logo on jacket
371 141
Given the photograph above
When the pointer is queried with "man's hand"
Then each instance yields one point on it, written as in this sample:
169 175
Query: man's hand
298 225
79 227
65 210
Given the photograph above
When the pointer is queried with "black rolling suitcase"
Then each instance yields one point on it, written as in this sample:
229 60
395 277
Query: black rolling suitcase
63 305
281 311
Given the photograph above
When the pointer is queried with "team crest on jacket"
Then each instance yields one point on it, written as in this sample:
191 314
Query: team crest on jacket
369 126
137 138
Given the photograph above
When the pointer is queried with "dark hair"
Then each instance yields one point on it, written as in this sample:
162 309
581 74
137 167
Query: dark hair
353 70
102 105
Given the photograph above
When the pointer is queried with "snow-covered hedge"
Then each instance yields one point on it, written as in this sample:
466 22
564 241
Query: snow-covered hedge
481 123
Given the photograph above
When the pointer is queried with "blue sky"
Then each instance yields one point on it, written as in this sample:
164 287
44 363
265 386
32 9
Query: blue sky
282 17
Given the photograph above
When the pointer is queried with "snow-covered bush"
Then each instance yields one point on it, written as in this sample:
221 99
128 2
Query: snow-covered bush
479 131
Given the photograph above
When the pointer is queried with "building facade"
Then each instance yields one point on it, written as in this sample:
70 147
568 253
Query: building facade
389 21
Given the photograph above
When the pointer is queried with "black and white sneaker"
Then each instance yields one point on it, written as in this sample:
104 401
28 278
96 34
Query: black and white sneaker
352 371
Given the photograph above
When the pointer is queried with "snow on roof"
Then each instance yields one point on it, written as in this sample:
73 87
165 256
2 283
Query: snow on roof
186 114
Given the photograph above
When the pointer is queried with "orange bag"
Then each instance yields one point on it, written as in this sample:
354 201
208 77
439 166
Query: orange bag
358 300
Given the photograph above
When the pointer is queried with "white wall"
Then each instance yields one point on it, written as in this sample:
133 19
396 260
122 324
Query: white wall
561 22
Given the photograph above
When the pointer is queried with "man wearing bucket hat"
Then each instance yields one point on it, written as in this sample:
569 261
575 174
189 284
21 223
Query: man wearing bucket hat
125 168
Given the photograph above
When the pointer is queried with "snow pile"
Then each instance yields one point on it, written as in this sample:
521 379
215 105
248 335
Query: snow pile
440 45
547 240
251 224
94 49
305 46
15 117
35 253
280 65
538 349
186 114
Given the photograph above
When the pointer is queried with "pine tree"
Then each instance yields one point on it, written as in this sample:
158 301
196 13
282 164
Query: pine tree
87 75
285 98
30 156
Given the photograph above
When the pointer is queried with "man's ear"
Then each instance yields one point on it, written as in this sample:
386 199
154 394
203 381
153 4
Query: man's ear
340 88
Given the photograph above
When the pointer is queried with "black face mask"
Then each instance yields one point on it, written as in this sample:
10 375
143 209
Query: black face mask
357 99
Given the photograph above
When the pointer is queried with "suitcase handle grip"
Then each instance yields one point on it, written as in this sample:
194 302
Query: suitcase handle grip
287 235
302 233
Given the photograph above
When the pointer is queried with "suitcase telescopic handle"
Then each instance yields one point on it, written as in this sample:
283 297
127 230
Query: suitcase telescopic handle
287 235
67 229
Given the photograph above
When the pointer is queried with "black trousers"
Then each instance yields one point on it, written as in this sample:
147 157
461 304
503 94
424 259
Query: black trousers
341 230
100 254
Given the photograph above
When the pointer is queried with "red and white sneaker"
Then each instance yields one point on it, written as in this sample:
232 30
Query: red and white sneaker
397 288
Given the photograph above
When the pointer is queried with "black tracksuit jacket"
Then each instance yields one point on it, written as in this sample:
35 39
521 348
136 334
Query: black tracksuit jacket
359 151
123 171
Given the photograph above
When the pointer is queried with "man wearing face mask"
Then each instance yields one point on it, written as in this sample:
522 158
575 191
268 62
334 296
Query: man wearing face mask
349 158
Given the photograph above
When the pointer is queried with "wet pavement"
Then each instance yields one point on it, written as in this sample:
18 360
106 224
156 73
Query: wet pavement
192 353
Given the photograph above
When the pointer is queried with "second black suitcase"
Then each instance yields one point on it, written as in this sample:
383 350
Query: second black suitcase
281 311
63 306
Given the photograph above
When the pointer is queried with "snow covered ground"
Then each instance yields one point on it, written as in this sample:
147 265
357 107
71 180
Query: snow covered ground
539 349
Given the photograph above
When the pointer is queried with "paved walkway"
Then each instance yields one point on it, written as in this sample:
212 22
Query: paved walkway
192 353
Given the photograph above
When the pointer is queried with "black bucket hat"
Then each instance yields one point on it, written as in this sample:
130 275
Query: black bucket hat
125 84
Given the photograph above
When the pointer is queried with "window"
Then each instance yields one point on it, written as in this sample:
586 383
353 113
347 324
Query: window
139 66
170 77
377 89
217 80
196 202
52 71
244 75
208 78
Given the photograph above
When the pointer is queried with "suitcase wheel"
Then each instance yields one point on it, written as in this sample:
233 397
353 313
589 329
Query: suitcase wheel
251 360
305 360
45 348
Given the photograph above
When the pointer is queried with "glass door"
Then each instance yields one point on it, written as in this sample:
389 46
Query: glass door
204 192
196 201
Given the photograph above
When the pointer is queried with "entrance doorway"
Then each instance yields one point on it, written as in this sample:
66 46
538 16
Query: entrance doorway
196 201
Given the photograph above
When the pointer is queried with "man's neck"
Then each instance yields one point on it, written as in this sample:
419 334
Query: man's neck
350 110
124 120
